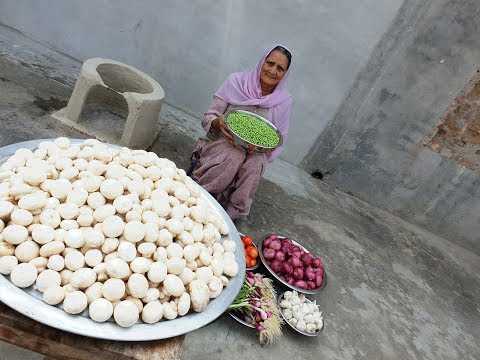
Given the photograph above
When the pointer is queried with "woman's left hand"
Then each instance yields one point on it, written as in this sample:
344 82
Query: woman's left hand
222 126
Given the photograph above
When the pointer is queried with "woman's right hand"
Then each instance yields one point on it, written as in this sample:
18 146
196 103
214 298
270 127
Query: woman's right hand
220 125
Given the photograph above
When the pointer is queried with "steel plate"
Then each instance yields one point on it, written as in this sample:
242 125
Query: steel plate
283 282
280 298
29 301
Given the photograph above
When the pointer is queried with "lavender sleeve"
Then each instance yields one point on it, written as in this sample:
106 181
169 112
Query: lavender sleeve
216 108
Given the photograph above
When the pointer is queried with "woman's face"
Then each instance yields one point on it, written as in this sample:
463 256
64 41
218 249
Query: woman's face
273 69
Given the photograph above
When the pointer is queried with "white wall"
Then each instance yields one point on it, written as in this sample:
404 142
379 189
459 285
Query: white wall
189 47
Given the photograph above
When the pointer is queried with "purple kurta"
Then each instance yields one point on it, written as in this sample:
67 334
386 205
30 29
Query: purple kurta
230 174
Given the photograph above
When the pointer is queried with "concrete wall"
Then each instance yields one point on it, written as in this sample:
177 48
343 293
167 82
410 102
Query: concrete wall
189 47
373 147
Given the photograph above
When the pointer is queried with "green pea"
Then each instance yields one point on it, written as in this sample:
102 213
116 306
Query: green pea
252 129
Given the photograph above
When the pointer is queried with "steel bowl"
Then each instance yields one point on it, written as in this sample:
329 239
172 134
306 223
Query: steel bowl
258 261
279 300
245 144
283 282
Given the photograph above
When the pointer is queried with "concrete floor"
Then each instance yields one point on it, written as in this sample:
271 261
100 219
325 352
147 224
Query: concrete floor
394 290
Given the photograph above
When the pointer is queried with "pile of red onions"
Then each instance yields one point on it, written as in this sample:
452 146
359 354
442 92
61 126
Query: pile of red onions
293 264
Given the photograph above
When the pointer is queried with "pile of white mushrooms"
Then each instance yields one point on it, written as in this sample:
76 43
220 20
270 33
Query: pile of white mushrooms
119 233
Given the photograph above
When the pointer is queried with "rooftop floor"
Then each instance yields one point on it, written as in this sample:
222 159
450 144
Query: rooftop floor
395 291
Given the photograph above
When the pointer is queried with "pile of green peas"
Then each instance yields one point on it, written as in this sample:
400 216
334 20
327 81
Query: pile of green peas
252 129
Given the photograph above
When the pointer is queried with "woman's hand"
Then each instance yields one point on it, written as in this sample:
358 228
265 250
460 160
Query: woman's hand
220 125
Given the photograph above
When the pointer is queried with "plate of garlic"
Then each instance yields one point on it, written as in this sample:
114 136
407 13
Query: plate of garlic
300 313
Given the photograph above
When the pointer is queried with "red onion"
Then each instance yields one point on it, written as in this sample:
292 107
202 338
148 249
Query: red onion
318 280
268 254
280 256
298 273
309 273
287 241
285 248
310 285
319 270
300 284
307 259
275 245
276 266
316 262
266 242
287 268
296 263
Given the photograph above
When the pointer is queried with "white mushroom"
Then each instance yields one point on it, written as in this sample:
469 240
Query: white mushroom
74 260
117 268
56 263
137 285
157 272
43 234
134 231
127 251
82 278
126 313
61 188
113 226
7 263
75 302
15 234
113 289
21 217
215 285
50 217
199 295
26 251
48 278
74 238
111 188
174 251
152 312
93 257
169 312
100 310
77 196
54 295
94 291
176 265
173 285
95 200
140 265
165 238
110 245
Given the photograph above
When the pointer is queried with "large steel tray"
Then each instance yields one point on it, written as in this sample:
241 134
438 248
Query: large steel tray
29 301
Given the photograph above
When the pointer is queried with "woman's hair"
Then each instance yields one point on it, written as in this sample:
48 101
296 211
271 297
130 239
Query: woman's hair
284 52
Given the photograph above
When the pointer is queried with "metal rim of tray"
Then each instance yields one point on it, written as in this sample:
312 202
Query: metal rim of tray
279 299
283 282
29 302
260 118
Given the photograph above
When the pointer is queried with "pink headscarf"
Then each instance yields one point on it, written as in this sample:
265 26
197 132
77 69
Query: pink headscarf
243 88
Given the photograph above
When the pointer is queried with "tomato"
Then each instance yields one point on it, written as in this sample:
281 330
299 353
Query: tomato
253 262
252 252
247 241
249 263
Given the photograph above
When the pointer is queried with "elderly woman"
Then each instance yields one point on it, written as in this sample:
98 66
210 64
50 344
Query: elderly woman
227 172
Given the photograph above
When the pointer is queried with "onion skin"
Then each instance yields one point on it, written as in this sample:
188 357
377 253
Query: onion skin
269 254
298 273
300 284
280 256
